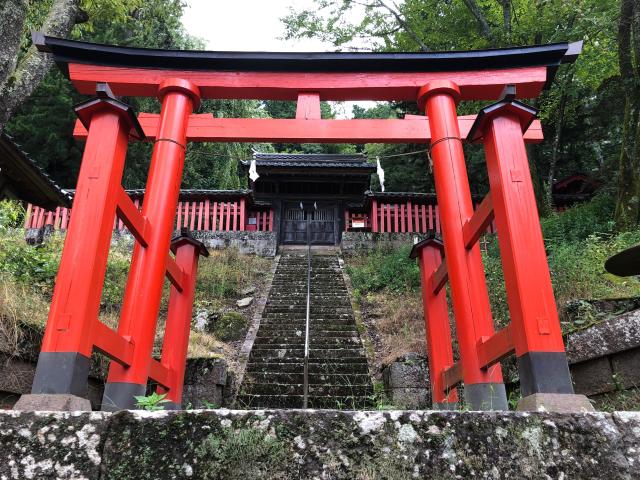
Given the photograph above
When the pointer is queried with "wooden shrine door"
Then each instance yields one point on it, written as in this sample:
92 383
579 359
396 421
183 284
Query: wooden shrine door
321 221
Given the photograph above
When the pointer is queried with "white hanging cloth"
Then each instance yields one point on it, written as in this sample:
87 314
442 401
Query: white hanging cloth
253 172
380 173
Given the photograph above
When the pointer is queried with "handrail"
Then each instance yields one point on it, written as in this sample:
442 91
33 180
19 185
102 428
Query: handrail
305 400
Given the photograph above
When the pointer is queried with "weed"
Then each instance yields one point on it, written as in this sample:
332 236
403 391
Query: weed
151 402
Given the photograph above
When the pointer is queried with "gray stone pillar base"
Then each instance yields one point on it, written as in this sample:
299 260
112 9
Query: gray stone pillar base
52 402
486 396
544 372
62 373
120 396
444 406
555 402
172 406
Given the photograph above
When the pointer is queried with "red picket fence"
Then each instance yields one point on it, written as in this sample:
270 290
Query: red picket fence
398 217
222 216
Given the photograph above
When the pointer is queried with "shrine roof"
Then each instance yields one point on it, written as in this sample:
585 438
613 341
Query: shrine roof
28 181
313 161
71 51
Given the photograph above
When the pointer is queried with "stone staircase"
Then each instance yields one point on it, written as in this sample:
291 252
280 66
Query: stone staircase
338 373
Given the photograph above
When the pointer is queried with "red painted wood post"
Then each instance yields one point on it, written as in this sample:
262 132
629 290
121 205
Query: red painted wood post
438 226
41 213
65 219
431 223
409 217
63 364
200 213
175 343
416 216
206 214
192 222
228 225
235 217
346 220
396 225
381 219
243 214
49 218
27 216
148 265
214 217
179 217
484 388
389 224
436 319
270 220
374 216
402 219
537 335
423 217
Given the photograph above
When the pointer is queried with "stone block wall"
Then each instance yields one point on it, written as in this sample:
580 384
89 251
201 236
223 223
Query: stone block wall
406 382
353 243
606 357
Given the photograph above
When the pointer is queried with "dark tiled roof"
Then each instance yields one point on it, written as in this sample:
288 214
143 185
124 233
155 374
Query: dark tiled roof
27 179
301 160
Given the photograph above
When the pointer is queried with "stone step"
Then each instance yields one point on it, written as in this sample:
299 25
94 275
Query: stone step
314 390
297 322
314 378
297 354
296 401
298 342
315 333
319 368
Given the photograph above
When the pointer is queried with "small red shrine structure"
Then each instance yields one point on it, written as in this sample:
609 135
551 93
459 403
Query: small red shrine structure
437 81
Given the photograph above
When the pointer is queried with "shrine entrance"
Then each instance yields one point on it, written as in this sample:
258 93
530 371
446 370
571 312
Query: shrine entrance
319 225
436 81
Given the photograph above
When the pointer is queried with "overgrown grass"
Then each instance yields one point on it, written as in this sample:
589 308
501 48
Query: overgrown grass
578 242
27 278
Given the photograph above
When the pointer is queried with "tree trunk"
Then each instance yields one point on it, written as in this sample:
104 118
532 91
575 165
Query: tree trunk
628 190
22 78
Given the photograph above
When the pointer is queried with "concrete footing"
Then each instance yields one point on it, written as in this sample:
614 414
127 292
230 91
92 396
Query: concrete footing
52 402
555 402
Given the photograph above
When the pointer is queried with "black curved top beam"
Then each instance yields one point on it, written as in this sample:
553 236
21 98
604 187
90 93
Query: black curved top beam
70 51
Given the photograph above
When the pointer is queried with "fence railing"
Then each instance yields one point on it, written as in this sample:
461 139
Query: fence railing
205 215
398 217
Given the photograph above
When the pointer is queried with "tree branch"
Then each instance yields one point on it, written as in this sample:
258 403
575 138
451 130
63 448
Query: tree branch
506 16
34 65
485 30
410 31
624 39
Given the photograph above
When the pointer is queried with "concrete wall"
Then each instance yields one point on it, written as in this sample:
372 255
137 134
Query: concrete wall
358 242
321 444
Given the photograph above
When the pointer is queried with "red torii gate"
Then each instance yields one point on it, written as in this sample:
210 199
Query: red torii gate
180 79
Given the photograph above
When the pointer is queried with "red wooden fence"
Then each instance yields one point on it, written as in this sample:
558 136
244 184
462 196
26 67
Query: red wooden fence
222 216
398 217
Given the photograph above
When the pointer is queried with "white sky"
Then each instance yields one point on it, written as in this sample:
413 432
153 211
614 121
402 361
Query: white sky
251 25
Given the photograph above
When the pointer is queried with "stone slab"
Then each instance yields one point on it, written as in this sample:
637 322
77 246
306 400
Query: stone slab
329 444
626 367
353 243
612 336
593 376
59 402
555 402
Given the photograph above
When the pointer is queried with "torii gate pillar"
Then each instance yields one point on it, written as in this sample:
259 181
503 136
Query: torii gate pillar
484 388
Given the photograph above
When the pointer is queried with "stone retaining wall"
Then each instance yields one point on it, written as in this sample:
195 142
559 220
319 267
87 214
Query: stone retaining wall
325 444
264 244
606 357
353 243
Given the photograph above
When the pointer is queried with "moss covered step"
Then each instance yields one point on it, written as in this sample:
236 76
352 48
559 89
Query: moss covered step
354 368
338 371
291 401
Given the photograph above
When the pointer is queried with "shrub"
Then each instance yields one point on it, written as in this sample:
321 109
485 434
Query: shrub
230 327
385 269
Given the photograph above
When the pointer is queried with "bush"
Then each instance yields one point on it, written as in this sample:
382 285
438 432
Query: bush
577 223
230 327
391 270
